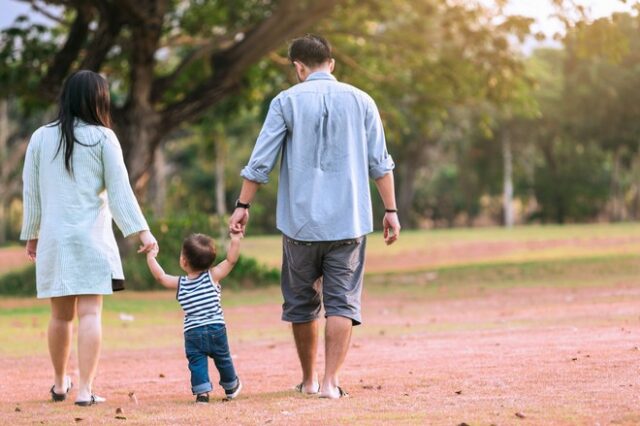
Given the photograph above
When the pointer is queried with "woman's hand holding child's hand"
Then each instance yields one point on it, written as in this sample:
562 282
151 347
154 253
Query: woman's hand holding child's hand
147 242
153 252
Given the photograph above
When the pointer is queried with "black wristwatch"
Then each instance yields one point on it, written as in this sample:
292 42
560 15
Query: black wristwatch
242 205
391 210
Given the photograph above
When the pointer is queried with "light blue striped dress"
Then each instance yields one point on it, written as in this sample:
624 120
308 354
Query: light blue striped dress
71 216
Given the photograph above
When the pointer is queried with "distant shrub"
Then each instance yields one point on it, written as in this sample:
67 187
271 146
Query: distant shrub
247 273
19 283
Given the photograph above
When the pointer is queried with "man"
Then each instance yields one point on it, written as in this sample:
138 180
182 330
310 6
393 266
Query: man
331 138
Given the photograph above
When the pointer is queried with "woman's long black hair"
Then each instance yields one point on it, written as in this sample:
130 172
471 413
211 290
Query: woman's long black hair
84 96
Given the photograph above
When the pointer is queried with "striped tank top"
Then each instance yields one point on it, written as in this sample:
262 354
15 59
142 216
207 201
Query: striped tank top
200 300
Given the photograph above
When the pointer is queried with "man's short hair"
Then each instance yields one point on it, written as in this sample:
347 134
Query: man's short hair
199 251
312 50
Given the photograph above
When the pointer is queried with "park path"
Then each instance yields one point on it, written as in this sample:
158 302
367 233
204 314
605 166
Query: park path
424 256
12 258
529 356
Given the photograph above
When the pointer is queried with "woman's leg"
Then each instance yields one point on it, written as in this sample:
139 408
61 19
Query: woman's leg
63 310
89 342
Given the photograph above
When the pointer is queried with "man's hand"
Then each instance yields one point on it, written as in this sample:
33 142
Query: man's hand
32 246
147 242
236 236
391 227
238 220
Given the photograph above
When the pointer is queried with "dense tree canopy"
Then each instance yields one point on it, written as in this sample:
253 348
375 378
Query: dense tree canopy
476 126
168 60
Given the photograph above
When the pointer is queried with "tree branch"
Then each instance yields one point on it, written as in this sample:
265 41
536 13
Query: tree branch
104 37
41 10
229 65
132 9
65 57
161 84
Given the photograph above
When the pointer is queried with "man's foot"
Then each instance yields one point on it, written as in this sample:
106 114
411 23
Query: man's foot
335 393
233 392
203 398
301 388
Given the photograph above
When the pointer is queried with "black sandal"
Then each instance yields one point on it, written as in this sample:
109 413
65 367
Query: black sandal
59 397
95 399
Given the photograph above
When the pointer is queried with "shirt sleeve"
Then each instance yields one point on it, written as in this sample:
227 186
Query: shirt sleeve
380 162
31 210
268 146
122 201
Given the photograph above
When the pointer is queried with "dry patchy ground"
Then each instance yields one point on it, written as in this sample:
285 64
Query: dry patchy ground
531 355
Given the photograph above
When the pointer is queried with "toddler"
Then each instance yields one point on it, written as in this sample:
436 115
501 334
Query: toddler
198 292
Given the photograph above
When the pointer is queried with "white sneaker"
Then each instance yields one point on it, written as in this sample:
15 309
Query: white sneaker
232 393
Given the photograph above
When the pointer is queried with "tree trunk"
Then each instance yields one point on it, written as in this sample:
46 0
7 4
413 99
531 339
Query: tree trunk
4 138
220 147
407 174
507 181
617 212
221 208
406 190
137 129
159 187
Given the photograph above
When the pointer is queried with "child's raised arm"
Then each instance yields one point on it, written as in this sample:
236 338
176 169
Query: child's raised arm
223 268
158 273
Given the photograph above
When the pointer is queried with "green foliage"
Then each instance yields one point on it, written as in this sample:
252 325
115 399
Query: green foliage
572 182
23 49
170 233
427 64
247 273
19 283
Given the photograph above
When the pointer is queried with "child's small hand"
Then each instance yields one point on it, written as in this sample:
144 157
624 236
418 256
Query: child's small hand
236 236
153 252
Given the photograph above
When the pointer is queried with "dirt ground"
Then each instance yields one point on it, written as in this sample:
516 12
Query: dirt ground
12 258
460 252
529 356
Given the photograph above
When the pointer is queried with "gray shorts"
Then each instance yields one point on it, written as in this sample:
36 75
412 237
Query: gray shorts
323 272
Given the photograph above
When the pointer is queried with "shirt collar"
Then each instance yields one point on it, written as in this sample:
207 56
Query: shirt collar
320 75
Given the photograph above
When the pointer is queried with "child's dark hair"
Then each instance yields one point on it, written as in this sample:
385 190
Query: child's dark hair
199 251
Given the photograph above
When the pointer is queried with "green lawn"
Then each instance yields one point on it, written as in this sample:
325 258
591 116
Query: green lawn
517 245
23 321
586 255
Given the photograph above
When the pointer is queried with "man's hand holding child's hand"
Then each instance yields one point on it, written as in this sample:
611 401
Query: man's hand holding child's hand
236 236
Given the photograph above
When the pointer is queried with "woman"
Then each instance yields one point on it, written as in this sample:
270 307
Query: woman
74 181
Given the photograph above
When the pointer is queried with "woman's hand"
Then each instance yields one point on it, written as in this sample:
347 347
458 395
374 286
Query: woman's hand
32 246
148 242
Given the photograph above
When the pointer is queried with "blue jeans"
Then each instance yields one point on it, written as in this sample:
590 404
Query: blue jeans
209 341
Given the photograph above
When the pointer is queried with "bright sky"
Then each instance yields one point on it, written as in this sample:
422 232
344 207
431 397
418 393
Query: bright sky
538 9
542 10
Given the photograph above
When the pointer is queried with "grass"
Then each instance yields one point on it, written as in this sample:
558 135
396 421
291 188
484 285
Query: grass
576 265
420 307
154 312
526 243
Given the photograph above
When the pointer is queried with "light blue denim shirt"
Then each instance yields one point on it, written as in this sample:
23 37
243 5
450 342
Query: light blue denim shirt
332 141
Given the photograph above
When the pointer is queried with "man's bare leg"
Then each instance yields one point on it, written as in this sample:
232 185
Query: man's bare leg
306 336
337 340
